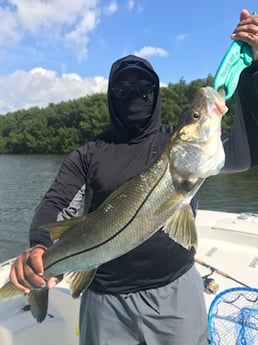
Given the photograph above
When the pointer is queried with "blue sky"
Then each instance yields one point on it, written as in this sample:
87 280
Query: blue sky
56 50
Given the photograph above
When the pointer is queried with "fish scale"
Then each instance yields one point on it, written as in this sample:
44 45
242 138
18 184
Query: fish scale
136 211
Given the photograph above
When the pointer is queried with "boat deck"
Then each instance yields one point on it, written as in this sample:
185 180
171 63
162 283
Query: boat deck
227 242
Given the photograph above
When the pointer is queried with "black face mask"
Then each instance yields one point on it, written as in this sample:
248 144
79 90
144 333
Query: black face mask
134 111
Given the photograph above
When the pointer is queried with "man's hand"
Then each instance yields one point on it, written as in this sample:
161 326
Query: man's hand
28 269
247 31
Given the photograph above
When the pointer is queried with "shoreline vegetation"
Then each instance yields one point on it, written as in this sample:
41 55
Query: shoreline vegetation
60 128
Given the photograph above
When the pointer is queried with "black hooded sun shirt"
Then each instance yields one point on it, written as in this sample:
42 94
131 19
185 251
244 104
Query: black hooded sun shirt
133 141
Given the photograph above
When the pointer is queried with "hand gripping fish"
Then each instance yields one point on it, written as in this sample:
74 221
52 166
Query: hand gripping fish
158 197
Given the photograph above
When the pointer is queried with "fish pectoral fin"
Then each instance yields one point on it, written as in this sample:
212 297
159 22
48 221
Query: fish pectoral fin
38 301
79 281
169 204
57 229
9 291
181 227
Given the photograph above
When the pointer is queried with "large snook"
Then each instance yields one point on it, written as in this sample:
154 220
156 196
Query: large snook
159 196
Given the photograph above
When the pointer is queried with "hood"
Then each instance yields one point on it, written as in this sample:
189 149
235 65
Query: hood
153 124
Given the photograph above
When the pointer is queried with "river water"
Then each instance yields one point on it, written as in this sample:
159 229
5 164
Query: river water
25 178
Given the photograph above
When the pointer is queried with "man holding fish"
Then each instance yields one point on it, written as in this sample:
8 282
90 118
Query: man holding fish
133 252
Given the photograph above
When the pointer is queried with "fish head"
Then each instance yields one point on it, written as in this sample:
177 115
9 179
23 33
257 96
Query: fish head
197 149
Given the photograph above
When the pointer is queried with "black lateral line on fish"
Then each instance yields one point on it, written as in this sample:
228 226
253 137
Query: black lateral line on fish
116 234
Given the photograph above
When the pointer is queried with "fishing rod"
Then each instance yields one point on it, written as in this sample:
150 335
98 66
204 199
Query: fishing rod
209 284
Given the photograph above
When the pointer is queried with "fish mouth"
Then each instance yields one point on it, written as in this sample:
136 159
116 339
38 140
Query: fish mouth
215 101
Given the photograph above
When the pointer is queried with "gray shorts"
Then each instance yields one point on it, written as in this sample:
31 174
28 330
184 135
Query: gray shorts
174 314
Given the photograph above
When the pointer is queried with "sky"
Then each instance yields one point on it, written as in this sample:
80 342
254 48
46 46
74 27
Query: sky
59 50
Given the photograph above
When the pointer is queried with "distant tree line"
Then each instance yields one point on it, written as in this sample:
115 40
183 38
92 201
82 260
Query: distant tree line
59 128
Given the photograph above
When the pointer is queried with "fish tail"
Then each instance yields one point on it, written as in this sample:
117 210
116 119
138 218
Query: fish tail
38 301
181 227
9 291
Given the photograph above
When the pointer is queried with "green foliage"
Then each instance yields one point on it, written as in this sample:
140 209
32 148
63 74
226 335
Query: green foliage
60 128
176 98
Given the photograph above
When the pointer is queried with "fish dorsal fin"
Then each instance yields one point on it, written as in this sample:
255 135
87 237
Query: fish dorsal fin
181 227
79 281
57 229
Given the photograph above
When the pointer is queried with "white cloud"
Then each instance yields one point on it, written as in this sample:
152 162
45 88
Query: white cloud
148 51
131 4
70 22
111 8
9 33
34 15
39 87
78 38
181 37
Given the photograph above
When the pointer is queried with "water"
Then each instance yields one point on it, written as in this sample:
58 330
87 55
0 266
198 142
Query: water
232 193
25 178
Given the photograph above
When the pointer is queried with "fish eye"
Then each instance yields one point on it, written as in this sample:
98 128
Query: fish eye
195 115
